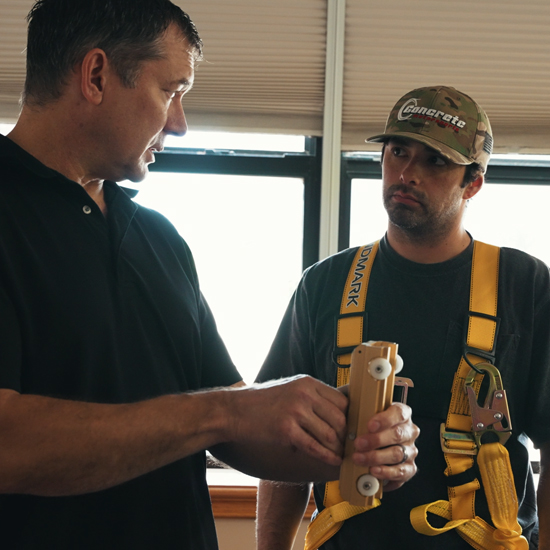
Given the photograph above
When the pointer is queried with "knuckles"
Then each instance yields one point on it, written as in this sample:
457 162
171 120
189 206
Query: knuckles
399 434
401 412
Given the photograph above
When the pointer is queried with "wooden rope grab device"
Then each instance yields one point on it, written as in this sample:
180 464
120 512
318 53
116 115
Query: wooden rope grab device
371 385
372 380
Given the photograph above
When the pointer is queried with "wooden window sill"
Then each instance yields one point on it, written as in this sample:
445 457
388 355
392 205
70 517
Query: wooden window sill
240 502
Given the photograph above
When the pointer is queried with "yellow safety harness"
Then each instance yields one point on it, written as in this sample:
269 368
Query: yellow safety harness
461 440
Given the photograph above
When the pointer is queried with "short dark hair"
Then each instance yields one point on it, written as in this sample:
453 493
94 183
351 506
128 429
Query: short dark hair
62 32
473 171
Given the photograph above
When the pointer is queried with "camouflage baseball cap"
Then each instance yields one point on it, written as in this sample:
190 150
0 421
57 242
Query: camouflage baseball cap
446 120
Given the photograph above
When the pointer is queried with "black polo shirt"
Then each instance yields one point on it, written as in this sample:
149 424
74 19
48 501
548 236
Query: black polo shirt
104 310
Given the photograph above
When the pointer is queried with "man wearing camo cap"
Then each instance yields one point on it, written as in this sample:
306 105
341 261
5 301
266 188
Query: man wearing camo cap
436 147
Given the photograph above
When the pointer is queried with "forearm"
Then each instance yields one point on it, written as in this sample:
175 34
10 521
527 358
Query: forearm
543 499
274 462
280 511
54 447
59 447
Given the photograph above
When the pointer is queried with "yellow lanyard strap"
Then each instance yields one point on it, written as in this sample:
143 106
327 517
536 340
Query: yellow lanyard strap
498 481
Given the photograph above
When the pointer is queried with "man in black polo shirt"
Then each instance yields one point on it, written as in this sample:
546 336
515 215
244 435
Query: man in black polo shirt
105 337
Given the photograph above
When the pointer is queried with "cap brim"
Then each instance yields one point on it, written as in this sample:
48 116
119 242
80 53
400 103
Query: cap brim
445 150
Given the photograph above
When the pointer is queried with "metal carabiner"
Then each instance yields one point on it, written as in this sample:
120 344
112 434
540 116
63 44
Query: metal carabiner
494 416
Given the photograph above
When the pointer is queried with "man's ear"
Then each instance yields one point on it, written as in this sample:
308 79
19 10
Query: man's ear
473 188
93 75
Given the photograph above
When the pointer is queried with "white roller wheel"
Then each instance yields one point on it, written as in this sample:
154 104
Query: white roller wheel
398 364
367 485
379 368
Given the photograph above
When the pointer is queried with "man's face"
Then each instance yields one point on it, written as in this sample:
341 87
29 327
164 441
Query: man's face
138 119
422 189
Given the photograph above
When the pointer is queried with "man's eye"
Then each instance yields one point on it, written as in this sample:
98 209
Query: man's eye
397 151
438 161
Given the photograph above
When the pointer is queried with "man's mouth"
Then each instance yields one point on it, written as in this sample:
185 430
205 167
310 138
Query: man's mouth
405 198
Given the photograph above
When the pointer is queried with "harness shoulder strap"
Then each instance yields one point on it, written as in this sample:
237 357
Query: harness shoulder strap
349 334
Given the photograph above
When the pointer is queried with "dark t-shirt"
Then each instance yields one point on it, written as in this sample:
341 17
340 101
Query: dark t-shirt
423 307
105 310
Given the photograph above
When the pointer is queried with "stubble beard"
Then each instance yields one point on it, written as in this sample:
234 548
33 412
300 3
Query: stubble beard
419 224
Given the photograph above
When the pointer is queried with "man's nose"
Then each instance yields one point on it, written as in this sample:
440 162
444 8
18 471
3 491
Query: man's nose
176 123
410 173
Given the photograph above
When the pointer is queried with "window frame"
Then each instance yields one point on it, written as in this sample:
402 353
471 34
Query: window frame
236 501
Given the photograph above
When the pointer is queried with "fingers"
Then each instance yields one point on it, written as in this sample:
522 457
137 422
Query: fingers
388 464
301 440
306 415
389 450
321 419
330 409
390 427
396 474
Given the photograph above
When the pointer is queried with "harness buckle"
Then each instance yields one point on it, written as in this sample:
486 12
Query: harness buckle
493 417
457 442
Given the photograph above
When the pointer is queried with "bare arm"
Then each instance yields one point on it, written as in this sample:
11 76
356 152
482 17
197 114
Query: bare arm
543 498
60 447
55 447
280 511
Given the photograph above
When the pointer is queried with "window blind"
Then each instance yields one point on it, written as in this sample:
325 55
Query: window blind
264 67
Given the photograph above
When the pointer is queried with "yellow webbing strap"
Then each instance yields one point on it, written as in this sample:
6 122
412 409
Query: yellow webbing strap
352 309
494 465
493 460
349 334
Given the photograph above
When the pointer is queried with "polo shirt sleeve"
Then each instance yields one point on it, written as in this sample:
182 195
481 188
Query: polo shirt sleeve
10 345
217 367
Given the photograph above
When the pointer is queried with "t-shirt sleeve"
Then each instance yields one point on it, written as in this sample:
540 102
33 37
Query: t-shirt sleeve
538 402
10 345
